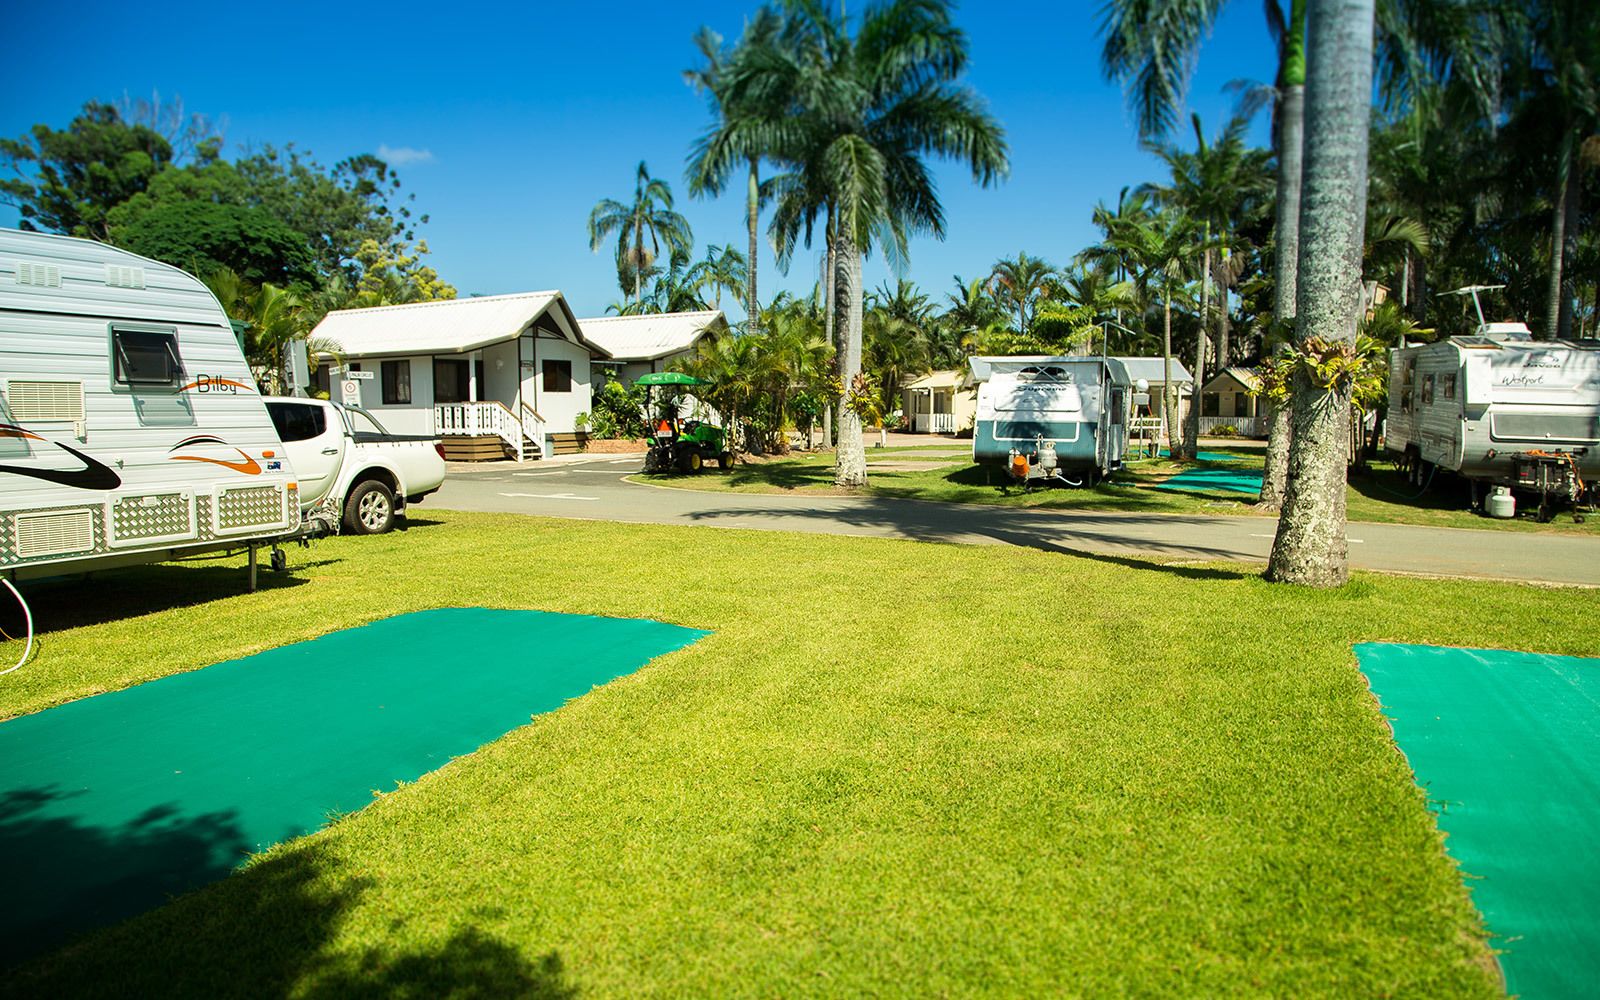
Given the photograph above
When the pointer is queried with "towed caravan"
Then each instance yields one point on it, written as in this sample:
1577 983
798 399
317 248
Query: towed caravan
1061 419
1500 409
131 430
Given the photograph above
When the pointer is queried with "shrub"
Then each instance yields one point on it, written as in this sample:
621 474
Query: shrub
618 411
1223 431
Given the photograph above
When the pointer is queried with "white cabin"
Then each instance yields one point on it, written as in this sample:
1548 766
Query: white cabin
499 376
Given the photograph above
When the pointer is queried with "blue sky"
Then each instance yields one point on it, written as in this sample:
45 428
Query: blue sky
530 113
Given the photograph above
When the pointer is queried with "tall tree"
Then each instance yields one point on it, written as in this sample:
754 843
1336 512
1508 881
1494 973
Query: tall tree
642 228
67 181
715 157
859 113
1310 545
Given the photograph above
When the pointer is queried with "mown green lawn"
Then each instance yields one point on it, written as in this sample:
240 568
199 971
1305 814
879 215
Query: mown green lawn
894 768
1375 494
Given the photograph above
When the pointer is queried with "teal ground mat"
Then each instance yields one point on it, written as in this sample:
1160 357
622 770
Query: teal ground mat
1209 456
1507 747
1213 480
110 805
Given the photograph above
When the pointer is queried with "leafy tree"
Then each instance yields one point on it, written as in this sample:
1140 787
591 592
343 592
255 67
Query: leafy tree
642 228
202 236
67 181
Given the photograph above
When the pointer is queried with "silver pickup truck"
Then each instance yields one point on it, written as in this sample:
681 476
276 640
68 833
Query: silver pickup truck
352 472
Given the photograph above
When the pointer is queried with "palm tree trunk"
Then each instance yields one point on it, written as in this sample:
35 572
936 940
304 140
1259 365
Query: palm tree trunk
1558 236
638 262
1291 138
1224 326
1169 393
1310 547
1191 431
753 217
851 458
829 280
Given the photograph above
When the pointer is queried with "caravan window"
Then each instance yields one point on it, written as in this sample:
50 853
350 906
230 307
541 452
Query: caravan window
1427 390
145 357
1447 385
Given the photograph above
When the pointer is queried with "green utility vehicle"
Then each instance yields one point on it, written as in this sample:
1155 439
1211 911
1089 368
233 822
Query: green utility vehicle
676 444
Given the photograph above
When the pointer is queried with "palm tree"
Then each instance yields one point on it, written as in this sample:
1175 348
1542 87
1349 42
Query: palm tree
1020 283
1220 185
1554 46
1310 546
649 217
858 115
1093 286
714 158
723 269
1160 249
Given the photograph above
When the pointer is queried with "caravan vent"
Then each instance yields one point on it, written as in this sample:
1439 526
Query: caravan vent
30 401
54 533
43 275
123 276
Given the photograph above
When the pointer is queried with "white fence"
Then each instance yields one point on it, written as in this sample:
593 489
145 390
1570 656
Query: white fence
1244 426
933 423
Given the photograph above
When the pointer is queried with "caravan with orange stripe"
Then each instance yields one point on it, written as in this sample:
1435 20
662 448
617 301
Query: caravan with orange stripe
131 428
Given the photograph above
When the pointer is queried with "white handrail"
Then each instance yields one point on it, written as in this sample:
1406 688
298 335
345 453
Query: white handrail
481 418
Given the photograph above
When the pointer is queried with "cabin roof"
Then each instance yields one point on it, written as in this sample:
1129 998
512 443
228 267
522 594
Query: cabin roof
651 336
1248 379
450 326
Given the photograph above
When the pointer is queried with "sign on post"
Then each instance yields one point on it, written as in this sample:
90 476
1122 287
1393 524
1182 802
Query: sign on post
352 391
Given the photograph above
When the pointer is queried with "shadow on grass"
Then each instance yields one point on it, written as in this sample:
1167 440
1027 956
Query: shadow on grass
64 875
1081 533
1380 481
262 931
58 602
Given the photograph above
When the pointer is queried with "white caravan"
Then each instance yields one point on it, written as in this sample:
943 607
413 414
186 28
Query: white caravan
1498 408
131 430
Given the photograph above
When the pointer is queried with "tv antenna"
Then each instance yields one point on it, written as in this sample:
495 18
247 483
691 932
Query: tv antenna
1473 291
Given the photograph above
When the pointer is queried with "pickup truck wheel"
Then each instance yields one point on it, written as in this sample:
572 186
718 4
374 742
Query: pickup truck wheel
369 510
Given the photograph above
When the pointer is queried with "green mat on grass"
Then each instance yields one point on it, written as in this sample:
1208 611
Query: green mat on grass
1507 747
1210 480
110 805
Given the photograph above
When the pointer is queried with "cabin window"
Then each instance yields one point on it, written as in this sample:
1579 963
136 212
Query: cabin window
558 376
1447 385
1427 390
396 382
451 381
1210 404
146 358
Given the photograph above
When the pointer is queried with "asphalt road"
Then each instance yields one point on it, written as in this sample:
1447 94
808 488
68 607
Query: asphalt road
594 489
